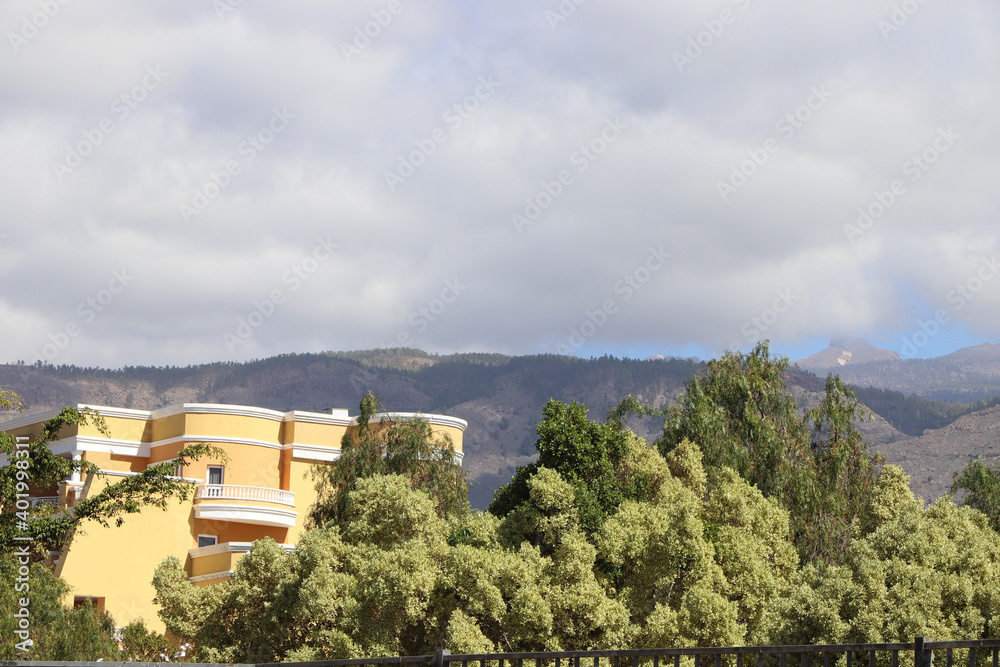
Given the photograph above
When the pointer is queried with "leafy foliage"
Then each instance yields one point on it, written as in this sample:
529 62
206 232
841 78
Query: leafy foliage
392 579
59 633
407 448
818 467
982 485
585 453
36 467
918 572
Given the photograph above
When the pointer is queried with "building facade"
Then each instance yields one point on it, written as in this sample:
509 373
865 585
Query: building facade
265 488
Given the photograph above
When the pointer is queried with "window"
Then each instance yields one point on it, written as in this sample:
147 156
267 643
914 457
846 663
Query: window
208 540
81 600
215 474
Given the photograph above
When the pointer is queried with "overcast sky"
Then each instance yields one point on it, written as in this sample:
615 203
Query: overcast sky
186 182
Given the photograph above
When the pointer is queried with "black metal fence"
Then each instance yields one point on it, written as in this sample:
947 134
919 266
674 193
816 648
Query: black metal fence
920 653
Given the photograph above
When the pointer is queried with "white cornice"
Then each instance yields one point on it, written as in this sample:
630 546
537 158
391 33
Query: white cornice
121 413
89 443
260 516
436 420
318 418
238 410
228 547
218 409
313 452
28 420
86 443
221 548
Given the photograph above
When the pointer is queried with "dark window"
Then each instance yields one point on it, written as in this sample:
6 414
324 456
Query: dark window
215 474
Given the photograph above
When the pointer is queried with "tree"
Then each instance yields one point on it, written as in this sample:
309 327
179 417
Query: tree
28 534
34 466
982 486
818 467
357 588
584 453
409 448
58 633
676 565
918 571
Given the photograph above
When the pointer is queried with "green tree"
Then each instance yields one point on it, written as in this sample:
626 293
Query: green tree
584 453
817 466
918 571
36 467
409 448
982 486
679 564
359 588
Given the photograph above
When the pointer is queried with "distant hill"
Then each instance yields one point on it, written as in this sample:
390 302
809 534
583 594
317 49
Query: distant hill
844 351
502 397
932 459
970 374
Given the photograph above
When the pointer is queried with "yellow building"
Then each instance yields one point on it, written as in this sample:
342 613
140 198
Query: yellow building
265 489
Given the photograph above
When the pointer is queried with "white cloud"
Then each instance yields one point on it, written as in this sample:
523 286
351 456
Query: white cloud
551 93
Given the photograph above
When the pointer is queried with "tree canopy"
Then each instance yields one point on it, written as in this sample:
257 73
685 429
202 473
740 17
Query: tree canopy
386 447
817 466
35 467
981 484
585 453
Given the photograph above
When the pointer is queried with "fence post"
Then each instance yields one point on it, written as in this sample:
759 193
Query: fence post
442 652
922 656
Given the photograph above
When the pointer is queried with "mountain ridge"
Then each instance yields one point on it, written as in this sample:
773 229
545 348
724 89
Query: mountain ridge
501 396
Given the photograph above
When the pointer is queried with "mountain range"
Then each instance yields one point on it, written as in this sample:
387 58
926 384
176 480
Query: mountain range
502 396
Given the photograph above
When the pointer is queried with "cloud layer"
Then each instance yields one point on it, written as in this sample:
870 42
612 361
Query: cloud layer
186 182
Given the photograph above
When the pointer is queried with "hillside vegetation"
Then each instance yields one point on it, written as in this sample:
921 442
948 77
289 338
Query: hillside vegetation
500 396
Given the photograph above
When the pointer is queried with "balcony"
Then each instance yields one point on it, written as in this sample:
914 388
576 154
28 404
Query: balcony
258 505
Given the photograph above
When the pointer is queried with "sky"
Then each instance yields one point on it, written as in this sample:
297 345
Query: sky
223 180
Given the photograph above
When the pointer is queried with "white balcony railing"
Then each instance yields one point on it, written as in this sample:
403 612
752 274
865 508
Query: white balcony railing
45 500
237 492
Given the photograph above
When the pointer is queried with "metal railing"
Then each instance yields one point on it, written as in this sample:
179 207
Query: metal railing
237 492
45 500
979 653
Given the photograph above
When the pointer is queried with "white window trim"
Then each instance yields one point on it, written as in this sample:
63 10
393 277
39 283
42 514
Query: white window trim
222 474
214 537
